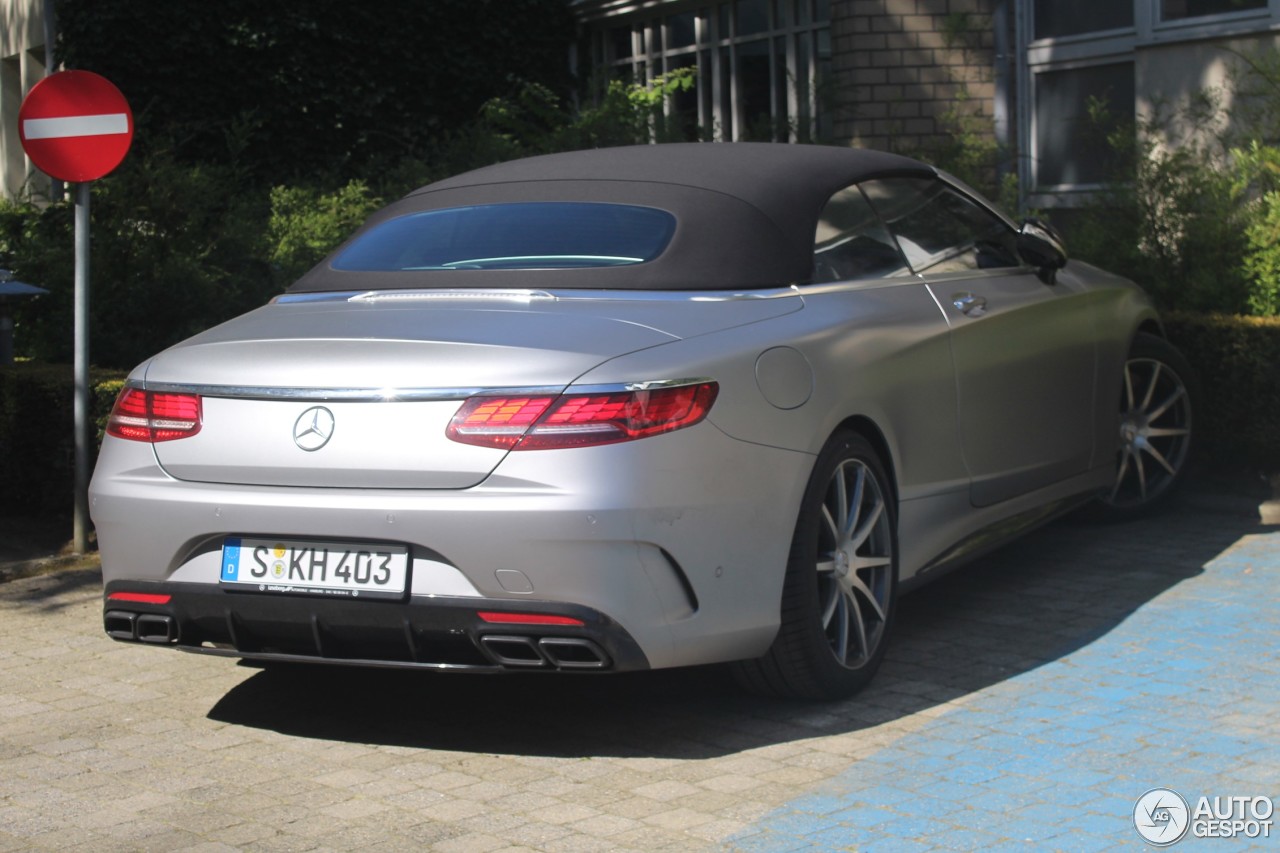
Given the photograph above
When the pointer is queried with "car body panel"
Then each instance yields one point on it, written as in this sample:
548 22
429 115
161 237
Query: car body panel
1018 432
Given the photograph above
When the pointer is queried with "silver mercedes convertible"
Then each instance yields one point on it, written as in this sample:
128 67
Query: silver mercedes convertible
632 408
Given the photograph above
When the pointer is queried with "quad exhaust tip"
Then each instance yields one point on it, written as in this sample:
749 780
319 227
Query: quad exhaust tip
140 627
538 652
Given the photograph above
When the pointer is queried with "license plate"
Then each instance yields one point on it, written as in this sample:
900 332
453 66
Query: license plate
337 569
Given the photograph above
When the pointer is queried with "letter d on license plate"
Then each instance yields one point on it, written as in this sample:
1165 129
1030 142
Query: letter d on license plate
339 569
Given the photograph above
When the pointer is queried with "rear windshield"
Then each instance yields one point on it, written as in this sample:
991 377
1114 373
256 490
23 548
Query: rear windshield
525 236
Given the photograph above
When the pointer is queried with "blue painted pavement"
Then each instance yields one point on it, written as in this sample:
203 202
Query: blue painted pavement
1182 693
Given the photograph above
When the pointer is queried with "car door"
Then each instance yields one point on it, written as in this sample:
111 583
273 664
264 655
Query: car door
1023 345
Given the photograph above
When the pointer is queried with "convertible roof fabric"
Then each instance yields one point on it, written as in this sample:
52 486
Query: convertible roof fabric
746 213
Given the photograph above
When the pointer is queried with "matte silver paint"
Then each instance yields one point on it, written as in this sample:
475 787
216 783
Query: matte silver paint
985 418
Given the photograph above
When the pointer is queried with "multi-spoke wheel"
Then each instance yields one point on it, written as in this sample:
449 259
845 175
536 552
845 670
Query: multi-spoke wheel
838 595
854 563
1156 408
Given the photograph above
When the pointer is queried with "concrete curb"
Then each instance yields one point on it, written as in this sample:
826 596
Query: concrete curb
46 565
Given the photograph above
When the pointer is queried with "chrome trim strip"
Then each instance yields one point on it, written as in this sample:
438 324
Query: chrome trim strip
855 285
322 296
339 395
522 296
402 395
654 384
515 295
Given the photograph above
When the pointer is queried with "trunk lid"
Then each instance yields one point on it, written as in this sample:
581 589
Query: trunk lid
336 392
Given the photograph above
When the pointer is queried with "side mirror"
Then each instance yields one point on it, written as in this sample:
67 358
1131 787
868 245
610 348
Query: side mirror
1041 246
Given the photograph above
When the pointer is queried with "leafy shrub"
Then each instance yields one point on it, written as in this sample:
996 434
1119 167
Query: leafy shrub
1195 223
1262 260
317 92
175 249
306 224
37 460
1238 362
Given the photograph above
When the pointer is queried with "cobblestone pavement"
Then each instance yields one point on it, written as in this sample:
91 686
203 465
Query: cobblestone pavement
1027 703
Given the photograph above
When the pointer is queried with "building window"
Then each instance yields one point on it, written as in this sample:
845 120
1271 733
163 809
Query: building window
759 64
1075 110
1176 10
1054 19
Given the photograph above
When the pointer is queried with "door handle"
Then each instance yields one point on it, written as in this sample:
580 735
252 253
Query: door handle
968 304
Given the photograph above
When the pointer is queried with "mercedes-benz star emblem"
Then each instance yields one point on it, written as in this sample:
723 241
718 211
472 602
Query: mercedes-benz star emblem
313 428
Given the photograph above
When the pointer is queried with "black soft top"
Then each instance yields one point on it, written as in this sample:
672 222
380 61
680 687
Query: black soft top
746 213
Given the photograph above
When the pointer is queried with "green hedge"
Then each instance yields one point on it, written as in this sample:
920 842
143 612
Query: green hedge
1237 360
37 442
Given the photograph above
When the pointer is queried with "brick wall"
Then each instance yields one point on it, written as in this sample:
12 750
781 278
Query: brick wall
901 66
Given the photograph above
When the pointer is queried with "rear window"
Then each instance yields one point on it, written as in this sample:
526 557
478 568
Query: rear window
525 236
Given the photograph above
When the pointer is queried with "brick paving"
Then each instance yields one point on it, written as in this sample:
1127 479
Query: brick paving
1026 703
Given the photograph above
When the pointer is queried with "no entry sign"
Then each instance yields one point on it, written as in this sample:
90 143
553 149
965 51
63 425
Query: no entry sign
75 126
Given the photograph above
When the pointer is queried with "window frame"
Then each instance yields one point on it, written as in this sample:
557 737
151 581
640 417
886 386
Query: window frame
910 274
719 97
1062 53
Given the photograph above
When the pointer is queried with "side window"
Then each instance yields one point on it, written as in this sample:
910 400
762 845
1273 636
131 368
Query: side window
940 230
852 243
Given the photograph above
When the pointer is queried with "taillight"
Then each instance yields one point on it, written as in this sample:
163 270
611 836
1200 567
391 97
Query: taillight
580 420
154 416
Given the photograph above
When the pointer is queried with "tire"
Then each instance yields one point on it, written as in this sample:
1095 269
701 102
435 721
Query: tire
1157 403
839 592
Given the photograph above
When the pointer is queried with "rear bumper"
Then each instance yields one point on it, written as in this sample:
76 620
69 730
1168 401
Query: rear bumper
421 632
673 538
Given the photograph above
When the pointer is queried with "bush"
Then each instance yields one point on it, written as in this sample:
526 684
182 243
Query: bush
174 249
1238 362
1174 221
1197 223
306 224
310 90
37 440
1262 260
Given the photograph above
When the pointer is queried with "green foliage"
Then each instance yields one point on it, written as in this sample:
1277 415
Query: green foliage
1262 260
1177 228
175 249
326 87
536 121
1193 218
37 460
306 224
971 152
1238 361
1193 222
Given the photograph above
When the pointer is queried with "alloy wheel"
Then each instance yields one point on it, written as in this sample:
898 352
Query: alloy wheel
1155 432
854 564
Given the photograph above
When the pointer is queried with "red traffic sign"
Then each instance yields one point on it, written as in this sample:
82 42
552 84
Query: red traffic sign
75 126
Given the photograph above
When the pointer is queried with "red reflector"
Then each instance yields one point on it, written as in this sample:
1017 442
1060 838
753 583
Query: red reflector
580 420
152 416
140 597
527 619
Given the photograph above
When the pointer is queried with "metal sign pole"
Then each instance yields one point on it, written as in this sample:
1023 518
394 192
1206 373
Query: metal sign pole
80 526
76 127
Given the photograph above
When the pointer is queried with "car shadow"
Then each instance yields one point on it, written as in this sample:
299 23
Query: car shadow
1028 604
